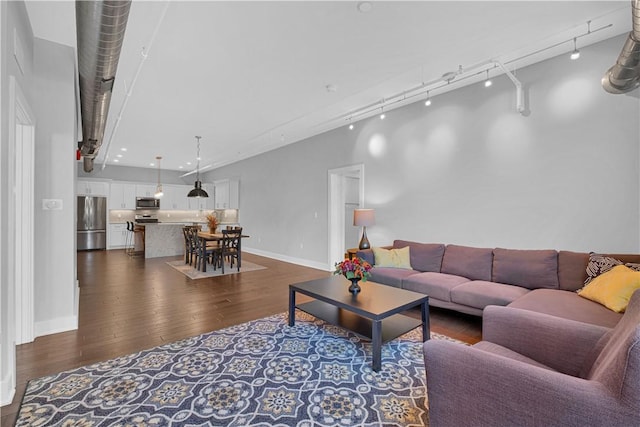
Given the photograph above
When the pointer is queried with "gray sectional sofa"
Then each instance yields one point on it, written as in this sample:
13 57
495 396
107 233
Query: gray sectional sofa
468 279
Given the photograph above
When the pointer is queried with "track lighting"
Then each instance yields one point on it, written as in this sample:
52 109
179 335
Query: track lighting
382 116
576 53
487 81
427 102
350 124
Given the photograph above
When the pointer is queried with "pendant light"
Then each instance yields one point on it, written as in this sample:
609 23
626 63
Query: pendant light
159 192
197 190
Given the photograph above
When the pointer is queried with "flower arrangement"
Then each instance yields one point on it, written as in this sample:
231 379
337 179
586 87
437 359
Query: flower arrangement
212 220
355 268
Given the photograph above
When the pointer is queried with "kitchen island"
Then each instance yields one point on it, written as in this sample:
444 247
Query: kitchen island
163 239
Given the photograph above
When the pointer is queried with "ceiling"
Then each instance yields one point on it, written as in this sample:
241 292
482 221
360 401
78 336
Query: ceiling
253 76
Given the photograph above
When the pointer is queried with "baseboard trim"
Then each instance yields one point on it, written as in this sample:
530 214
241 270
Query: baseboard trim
286 258
54 326
7 390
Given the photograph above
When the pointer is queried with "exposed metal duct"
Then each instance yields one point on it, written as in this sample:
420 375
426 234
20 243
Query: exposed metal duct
100 29
624 76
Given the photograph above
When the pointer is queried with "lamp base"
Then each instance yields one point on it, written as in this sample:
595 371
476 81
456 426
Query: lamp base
364 242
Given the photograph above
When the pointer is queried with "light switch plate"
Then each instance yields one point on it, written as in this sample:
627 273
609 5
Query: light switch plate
51 204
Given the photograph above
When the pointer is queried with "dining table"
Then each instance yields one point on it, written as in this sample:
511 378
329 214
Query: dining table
205 237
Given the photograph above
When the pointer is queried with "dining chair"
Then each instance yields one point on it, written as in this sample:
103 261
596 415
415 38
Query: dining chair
190 245
230 249
203 253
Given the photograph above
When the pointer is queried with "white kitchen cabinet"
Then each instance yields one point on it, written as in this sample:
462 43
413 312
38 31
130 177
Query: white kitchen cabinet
117 236
92 188
122 196
175 197
227 194
145 190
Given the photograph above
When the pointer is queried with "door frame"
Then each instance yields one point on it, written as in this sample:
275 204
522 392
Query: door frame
336 220
21 210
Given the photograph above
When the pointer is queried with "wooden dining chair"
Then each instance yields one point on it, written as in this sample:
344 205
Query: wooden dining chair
203 253
230 249
190 245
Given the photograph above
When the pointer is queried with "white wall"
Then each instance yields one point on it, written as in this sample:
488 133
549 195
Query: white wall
55 145
468 170
13 20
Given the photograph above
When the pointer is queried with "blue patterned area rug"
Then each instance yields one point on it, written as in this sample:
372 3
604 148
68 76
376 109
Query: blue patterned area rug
260 373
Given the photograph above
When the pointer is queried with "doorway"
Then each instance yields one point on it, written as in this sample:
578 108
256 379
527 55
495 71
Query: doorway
346 193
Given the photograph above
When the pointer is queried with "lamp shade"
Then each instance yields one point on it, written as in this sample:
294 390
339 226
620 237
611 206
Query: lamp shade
364 217
197 191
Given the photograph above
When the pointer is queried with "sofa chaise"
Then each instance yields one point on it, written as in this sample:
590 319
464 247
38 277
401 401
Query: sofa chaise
468 279
533 369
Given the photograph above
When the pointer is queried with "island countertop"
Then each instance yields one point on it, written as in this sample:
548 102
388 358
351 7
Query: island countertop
163 239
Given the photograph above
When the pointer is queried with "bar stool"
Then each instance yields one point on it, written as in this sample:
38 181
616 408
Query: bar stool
137 230
128 247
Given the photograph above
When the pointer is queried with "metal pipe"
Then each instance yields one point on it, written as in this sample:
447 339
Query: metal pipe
624 76
100 27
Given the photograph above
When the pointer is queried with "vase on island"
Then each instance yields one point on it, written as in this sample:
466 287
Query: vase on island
355 287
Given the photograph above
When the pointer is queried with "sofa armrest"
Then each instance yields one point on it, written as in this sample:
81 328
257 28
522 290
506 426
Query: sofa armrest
470 387
562 344
366 254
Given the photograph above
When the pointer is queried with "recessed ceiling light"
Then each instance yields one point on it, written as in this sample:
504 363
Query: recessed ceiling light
180 167
123 149
119 155
151 164
189 163
365 6
115 160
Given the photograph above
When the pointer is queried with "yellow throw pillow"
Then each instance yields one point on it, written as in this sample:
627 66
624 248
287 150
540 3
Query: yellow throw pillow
613 288
395 258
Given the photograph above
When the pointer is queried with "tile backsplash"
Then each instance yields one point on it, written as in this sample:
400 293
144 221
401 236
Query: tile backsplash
225 216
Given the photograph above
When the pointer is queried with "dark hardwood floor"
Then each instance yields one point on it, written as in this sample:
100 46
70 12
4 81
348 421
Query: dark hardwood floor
130 304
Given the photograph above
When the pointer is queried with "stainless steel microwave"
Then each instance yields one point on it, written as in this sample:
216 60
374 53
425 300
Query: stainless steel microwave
147 203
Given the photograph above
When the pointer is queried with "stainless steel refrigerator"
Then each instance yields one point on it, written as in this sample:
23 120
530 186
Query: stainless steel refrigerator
92 223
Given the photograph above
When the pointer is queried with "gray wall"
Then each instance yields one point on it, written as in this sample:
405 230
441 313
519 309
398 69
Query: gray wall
55 274
468 170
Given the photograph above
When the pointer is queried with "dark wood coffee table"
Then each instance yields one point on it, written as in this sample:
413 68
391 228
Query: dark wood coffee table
373 313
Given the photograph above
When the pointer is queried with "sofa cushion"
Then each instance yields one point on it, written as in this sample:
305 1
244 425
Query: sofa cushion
613 289
572 268
366 255
390 276
568 305
395 258
479 293
530 269
465 261
424 256
436 285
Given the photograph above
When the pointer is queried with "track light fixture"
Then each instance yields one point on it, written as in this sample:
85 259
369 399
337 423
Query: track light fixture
576 53
382 115
487 81
427 101
350 124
